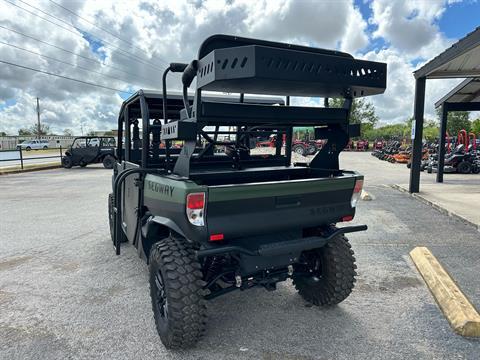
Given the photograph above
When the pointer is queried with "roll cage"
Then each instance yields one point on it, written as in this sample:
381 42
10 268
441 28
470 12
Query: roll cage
202 122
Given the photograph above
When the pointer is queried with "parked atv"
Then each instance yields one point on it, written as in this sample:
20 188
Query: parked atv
459 161
207 223
89 150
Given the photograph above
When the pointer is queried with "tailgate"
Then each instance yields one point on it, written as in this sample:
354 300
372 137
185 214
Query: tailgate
261 208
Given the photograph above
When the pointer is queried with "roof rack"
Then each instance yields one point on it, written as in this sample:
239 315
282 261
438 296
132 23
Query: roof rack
240 65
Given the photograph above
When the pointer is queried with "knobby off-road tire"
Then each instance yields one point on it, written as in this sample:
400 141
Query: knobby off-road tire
333 276
176 289
108 162
111 205
67 162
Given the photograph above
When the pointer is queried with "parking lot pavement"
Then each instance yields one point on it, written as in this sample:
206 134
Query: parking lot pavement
64 294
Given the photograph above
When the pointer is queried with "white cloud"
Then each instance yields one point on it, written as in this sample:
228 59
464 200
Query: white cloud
410 26
165 31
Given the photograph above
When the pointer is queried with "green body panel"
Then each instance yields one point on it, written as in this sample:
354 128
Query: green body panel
169 189
281 188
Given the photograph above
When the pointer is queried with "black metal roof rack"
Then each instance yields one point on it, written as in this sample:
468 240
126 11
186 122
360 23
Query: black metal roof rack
239 65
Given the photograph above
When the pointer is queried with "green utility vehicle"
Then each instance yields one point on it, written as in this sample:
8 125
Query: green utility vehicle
210 216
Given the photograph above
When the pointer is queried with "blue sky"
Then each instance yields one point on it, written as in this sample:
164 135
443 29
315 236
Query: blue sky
403 33
459 19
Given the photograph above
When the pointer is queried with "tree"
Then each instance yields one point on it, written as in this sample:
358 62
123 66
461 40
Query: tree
362 112
456 121
3 133
91 133
24 132
476 126
67 132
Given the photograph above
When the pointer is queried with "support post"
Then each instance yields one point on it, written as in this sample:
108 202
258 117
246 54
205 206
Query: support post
417 141
21 158
441 145
145 129
288 139
39 128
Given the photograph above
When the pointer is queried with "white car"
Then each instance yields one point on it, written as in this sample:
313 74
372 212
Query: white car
33 145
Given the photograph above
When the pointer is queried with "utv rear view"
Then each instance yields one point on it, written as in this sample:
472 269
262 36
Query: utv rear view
209 215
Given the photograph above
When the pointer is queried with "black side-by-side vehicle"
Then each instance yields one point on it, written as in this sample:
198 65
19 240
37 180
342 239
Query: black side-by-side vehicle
210 216
89 150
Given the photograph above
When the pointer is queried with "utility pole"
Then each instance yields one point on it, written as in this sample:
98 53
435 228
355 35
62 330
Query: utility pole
39 128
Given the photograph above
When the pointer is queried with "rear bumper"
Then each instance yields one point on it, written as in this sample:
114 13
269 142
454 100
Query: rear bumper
279 248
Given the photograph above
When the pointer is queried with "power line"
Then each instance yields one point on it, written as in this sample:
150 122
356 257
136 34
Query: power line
110 45
71 52
64 77
101 28
63 62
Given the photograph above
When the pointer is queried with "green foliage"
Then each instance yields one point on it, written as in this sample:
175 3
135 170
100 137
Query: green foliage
456 121
362 112
33 130
476 126
3 133
388 132
25 132
402 131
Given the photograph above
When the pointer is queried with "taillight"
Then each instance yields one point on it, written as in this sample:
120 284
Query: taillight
357 191
216 237
195 208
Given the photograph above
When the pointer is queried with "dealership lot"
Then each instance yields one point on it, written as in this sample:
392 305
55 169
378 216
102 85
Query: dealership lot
64 294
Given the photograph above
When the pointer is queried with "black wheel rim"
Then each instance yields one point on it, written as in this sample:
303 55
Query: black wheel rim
161 301
316 266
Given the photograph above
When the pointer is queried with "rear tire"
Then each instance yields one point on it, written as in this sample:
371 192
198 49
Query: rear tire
82 163
299 149
176 289
333 273
464 167
108 162
67 162
28 148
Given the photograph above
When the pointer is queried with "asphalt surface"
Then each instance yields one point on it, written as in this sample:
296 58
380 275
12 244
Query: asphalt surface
65 295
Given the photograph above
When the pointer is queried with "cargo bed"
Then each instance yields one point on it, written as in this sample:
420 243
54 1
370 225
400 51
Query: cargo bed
273 201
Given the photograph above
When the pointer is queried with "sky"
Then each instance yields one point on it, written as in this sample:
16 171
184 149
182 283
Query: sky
125 45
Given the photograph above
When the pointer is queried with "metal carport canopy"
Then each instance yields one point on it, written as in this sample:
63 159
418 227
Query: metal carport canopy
461 60
465 92
463 97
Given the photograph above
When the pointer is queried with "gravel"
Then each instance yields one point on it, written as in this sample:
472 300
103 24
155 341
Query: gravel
65 295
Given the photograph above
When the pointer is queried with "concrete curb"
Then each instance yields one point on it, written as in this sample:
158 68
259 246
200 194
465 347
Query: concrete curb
458 310
35 168
437 206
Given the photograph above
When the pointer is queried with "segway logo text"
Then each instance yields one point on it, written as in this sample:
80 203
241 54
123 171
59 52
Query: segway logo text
161 189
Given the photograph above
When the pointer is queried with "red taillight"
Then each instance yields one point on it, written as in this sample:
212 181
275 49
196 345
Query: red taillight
357 190
216 237
196 201
358 186
195 208
347 218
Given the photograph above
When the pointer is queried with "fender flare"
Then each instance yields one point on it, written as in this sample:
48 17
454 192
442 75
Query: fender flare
151 227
